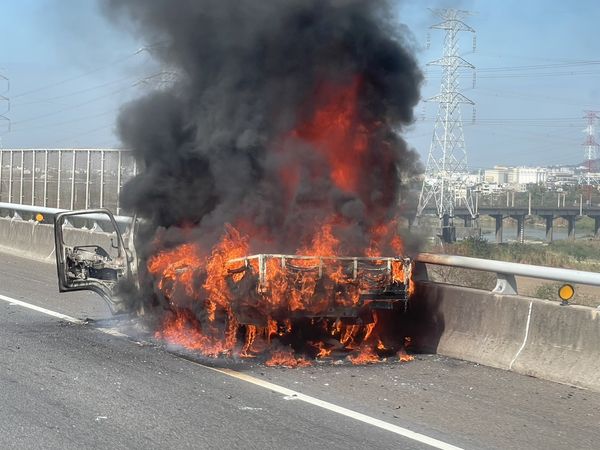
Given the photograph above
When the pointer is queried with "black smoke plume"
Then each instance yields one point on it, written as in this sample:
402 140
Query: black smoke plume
213 144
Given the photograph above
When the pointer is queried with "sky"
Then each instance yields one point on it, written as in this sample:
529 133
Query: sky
537 70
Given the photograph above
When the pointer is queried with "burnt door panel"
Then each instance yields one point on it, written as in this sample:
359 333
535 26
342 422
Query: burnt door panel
90 254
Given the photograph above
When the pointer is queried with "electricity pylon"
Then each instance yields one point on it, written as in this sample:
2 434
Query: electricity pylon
445 179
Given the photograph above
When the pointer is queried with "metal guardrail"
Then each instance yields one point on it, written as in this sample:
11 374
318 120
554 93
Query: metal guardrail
51 212
506 271
65 178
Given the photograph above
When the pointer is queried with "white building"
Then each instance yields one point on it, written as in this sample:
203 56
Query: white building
517 177
497 175
529 175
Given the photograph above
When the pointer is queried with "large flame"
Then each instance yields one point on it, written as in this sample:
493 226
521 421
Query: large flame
198 287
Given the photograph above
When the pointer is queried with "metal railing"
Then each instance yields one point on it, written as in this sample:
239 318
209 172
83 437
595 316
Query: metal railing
16 209
506 271
65 178
549 199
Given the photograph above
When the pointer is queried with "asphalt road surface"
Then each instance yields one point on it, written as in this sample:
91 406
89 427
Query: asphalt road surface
104 383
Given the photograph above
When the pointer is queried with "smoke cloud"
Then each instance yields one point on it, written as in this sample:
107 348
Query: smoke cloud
238 137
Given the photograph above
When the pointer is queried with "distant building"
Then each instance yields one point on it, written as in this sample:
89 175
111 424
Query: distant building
561 177
498 175
529 175
515 177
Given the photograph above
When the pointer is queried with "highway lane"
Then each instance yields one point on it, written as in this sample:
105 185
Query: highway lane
68 386
65 385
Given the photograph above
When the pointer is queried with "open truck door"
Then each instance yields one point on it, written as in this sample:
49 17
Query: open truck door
94 257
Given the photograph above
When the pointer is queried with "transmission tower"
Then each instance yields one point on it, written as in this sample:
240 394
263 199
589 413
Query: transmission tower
446 172
590 145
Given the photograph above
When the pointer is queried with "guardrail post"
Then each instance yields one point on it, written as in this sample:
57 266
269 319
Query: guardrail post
87 181
33 156
45 178
102 178
73 180
21 197
10 176
119 163
506 284
58 179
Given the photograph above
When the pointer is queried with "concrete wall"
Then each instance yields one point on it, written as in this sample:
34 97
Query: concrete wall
529 336
33 240
27 239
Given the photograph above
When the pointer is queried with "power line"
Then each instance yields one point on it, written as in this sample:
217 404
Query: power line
80 91
4 108
538 66
84 133
43 116
527 96
77 77
65 122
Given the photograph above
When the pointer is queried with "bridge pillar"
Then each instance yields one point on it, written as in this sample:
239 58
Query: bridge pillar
571 226
520 228
448 229
498 228
597 227
520 218
549 228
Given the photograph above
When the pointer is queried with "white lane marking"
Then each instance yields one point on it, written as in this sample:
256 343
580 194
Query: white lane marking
291 394
288 393
112 332
524 339
14 301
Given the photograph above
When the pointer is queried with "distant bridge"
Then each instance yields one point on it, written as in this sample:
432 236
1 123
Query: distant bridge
519 213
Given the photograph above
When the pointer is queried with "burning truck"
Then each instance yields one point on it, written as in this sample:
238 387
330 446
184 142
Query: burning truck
274 175
249 300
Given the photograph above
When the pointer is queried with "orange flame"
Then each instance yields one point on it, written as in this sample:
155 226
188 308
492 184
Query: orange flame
336 132
286 358
193 279
365 355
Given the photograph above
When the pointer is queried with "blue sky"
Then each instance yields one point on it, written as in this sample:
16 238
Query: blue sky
538 69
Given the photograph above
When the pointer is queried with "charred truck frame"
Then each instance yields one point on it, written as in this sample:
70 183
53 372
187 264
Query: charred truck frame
346 288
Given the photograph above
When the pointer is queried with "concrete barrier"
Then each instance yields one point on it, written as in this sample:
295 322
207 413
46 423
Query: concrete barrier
33 240
529 336
563 345
28 239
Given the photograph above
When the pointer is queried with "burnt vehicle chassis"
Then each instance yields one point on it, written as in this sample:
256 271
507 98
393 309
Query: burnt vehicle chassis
345 288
